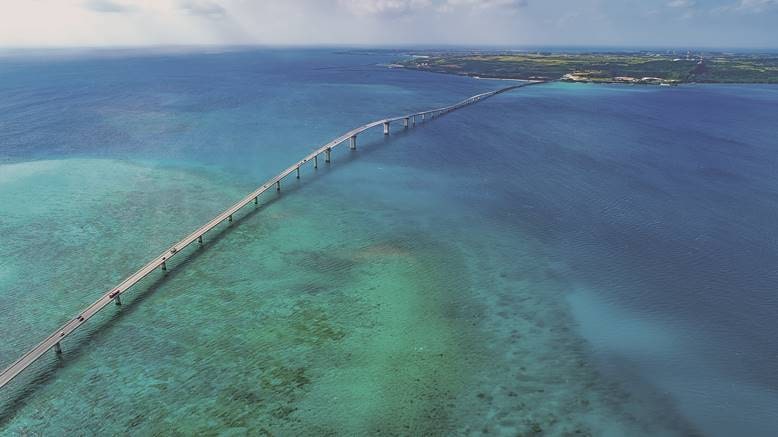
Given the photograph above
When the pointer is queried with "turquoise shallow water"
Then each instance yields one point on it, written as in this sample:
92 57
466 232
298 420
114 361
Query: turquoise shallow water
558 260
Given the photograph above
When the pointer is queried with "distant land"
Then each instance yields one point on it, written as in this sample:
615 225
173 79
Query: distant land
640 67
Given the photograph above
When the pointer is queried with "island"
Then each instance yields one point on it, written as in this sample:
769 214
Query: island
640 67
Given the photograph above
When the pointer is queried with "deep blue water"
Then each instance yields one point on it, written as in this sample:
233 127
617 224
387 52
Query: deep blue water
585 257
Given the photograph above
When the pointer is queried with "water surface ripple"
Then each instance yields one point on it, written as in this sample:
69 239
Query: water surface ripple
565 259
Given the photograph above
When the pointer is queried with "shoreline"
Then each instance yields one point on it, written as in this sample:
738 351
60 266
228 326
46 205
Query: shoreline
593 82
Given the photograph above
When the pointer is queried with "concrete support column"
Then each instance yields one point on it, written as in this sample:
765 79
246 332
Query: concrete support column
230 218
423 117
352 144
413 120
278 185
316 161
327 159
57 349
298 172
164 266
386 128
256 201
118 299
405 122
200 240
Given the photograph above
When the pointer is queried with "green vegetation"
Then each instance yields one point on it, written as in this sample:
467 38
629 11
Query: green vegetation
637 67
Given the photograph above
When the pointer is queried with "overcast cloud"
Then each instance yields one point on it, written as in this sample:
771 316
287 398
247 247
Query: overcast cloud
682 23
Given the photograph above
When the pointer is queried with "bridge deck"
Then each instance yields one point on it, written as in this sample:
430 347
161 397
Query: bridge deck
52 340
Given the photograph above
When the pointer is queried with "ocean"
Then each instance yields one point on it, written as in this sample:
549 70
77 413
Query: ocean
562 259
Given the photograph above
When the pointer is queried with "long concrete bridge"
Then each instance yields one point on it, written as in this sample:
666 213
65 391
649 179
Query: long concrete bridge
160 262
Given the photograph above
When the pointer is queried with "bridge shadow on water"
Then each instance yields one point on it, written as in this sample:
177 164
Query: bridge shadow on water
75 348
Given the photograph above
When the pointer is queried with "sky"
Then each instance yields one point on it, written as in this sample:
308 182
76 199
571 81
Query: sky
519 23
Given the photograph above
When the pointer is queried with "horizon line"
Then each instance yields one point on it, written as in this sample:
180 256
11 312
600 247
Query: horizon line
388 47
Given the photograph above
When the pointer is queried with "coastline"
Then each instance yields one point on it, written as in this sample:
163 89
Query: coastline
638 67
593 82
512 79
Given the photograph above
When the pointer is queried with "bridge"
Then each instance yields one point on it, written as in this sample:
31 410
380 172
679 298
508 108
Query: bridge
160 262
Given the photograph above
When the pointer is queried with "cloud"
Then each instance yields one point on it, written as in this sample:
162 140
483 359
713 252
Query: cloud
509 6
106 6
747 7
383 7
73 23
682 4
406 7
486 4
684 9
204 8
755 6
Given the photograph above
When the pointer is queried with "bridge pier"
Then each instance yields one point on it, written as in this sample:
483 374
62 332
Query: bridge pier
352 144
230 218
278 185
164 266
405 122
316 161
256 200
423 117
117 300
57 348
327 159
200 240
413 120
298 172
386 128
